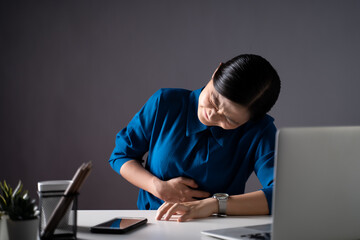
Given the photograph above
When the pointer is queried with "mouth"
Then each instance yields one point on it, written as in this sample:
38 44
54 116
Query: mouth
206 116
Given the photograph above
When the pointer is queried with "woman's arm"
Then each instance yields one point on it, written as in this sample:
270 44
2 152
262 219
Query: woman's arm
175 190
253 203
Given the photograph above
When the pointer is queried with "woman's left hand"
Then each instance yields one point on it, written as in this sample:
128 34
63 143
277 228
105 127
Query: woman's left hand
188 210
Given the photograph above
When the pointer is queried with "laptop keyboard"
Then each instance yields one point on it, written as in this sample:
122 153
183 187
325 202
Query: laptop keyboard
265 236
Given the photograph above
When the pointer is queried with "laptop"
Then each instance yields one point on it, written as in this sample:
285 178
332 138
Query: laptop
317 187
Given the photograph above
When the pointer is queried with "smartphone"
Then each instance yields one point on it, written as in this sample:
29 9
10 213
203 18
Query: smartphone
118 225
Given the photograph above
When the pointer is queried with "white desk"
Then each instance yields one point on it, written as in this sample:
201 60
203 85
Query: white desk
159 230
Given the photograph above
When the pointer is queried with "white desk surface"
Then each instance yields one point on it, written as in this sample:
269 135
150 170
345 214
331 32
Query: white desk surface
159 230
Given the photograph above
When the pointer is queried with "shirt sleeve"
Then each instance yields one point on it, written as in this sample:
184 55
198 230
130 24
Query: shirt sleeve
264 165
132 142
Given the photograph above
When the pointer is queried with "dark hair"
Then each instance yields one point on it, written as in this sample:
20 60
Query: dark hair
250 81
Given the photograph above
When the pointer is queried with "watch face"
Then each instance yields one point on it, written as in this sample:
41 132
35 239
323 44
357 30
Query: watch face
221 195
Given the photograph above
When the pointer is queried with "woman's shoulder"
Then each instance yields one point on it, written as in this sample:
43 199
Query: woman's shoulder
172 94
172 91
170 102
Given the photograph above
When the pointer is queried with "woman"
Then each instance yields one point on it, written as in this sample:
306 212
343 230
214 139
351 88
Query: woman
204 142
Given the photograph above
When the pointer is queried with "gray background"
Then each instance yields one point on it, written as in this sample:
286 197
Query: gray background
73 73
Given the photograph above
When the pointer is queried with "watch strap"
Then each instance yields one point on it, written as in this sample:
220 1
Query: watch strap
222 202
222 206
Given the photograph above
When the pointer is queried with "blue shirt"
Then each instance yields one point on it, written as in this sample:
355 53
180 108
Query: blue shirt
178 144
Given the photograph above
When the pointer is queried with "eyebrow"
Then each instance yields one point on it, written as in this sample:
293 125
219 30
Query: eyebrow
215 100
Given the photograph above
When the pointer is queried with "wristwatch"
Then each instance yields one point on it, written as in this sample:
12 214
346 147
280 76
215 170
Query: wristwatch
222 199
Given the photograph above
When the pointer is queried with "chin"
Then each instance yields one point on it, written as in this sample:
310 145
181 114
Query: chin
206 123
202 120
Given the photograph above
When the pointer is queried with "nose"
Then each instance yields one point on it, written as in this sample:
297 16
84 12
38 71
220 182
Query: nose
214 114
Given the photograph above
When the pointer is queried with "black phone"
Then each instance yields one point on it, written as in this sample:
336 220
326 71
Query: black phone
118 225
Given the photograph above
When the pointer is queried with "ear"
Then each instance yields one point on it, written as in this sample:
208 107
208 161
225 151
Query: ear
216 70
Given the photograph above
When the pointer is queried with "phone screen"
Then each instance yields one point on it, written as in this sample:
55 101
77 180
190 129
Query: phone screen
118 225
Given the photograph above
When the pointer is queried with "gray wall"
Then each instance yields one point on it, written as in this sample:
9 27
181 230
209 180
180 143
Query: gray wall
73 73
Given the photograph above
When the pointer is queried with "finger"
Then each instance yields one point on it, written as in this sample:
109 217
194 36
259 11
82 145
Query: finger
189 182
163 205
170 212
162 210
175 209
193 195
199 194
185 217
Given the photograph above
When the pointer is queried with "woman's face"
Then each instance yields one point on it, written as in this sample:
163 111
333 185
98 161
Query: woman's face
216 110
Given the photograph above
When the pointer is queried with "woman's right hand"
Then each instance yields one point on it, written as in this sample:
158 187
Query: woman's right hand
175 190
178 190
